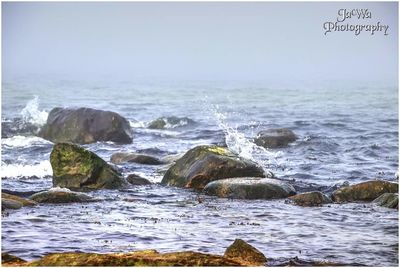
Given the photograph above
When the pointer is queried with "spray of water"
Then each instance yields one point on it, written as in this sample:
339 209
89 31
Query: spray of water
32 114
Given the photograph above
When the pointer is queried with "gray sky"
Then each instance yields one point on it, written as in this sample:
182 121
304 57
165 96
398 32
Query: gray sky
205 41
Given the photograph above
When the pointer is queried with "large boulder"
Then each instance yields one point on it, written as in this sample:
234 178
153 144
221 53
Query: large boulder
204 164
240 250
76 168
119 158
310 199
365 191
389 200
61 196
249 188
85 125
274 138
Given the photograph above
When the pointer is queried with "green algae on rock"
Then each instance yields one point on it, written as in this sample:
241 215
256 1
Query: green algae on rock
76 168
119 158
365 191
61 196
240 250
310 199
86 125
388 200
207 163
249 188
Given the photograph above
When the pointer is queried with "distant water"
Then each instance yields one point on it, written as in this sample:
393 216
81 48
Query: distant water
346 135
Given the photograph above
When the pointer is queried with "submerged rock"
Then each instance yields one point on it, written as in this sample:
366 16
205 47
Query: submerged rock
203 164
310 199
76 168
86 125
61 196
170 122
119 158
137 180
389 200
249 188
23 201
242 251
10 204
274 138
365 191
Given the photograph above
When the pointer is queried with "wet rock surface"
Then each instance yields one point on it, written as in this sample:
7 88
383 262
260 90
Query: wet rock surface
365 191
119 158
249 188
86 125
170 122
135 179
61 196
76 168
389 200
242 251
275 138
310 199
204 164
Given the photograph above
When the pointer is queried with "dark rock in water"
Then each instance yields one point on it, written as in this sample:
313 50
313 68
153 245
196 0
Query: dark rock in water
24 194
119 158
86 125
310 199
204 164
11 260
365 191
76 168
249 188
10 204
274 138
137 180
23 201
242 251
170 122
61 196
389 200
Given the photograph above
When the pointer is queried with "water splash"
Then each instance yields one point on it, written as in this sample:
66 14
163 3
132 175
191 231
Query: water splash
40 170
31 113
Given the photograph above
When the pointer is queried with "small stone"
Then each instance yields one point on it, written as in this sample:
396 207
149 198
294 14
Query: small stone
240 250
137 180
310 199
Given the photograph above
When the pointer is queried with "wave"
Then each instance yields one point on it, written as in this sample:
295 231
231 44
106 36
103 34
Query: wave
137 124
170 122
32 114
23 141
40 170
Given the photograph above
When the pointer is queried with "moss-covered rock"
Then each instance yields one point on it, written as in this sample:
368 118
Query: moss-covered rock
310 199
242 251
76 168
11 260
365 191
85 125
249 188
170 122
204 164
137 180
274 138
61 196
119 158
23 201
389 200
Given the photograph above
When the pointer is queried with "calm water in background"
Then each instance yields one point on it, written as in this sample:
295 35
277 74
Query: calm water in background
346 134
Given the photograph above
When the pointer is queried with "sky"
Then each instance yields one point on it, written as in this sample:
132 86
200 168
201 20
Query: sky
204 41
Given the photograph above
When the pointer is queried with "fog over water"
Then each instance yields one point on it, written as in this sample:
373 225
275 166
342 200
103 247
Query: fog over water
198 41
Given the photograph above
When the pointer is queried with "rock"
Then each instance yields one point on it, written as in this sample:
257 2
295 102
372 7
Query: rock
85 125
10 204
274 138
170 122
137 180
389 200
203 164
119 158
365 191
11 260
310 199
61 196
23 201
249 188
76 168
242 251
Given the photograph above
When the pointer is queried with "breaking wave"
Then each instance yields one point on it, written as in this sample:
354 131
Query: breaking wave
31 113
40 170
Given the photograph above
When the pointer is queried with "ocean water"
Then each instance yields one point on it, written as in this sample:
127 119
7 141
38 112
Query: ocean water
346 135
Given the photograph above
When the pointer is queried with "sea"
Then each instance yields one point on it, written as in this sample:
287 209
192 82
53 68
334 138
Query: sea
346 135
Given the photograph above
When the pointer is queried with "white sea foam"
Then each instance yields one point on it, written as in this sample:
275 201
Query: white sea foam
137 124
22 141
32 114
40 170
